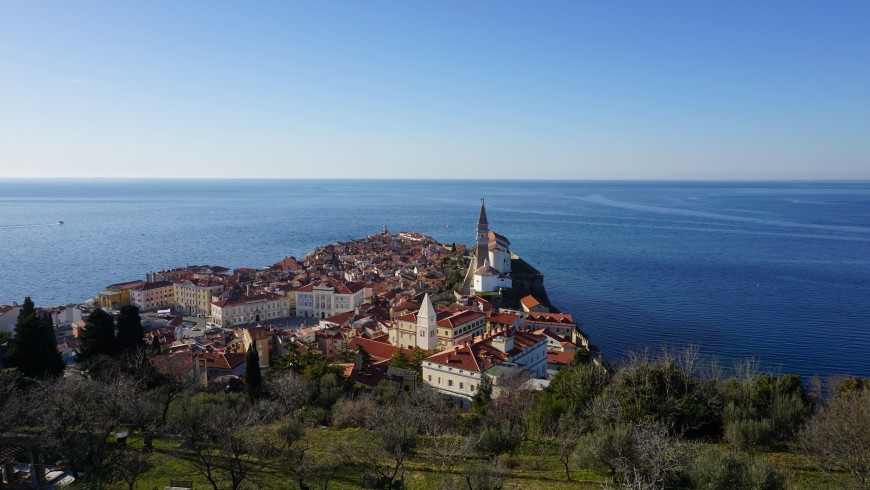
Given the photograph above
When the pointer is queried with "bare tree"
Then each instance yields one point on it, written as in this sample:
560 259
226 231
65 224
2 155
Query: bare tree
839 436
79 418
130 464
223 444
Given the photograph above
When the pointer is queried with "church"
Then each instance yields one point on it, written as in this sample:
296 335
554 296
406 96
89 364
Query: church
492 258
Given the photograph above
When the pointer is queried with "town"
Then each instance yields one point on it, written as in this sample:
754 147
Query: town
462 314
391 361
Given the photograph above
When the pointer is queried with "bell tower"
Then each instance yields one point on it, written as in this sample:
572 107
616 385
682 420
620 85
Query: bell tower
482 236
426 325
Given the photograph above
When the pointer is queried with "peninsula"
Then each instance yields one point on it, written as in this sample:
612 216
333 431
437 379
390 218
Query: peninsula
463 314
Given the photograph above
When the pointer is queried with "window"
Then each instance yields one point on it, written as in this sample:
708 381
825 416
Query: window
461 385
430 378
471 387
449 382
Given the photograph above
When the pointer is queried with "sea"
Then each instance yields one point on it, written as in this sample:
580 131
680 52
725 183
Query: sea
778 272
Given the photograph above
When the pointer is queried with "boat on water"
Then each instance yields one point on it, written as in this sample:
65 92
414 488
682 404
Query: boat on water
60 222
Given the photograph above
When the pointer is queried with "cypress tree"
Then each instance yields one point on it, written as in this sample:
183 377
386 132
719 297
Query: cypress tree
99 335
131 335
33 349
155 345
253 377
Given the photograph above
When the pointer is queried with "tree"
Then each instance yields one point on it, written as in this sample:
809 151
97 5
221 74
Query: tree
839 435
98 337
223 441
131 336
253 377
33 349
481 399
155 346
718 469
641 456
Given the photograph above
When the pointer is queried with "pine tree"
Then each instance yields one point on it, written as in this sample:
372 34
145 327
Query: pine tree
131 336
33 350
253 377
99 336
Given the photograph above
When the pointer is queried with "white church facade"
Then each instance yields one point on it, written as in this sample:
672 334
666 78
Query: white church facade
492 259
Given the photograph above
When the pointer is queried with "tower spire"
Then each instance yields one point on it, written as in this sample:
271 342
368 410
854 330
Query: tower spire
481 220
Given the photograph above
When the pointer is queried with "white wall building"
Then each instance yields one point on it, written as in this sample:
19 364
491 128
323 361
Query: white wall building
9 317
489 279
457 372
249 309
329 297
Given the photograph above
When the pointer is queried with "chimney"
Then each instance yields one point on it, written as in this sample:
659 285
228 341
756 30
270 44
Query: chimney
504 344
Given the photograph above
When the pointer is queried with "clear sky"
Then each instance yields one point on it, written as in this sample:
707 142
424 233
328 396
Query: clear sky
439 89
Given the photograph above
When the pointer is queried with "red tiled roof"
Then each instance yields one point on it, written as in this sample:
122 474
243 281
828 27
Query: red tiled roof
530 302
459 319
244 300
508 319
258 333
563 358
480 355
227 362
339 286
377 350
559 318
341 318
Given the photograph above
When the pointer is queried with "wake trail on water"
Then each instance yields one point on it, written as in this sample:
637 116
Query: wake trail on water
599 199
33 225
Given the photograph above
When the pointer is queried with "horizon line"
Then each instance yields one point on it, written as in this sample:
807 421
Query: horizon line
440 179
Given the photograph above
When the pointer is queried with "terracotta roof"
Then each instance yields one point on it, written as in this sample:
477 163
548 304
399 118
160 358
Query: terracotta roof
341 318
244 300
530 301
479 354
153 285
258 333
126 285
228 362
340 287
5 308
460 319
562 358
551 318
509 319
377 350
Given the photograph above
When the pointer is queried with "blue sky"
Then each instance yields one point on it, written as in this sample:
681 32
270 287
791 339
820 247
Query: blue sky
382 89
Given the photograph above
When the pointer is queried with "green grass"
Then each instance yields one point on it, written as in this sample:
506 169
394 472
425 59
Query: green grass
534 466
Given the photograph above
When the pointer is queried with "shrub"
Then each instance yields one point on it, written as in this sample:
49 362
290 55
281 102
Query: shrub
717 469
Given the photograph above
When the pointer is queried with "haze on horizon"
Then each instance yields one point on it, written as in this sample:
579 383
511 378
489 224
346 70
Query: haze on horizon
478 90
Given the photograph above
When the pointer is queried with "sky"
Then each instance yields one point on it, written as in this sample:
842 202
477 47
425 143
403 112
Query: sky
737 90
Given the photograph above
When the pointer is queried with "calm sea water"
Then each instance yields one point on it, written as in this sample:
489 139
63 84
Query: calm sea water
775 270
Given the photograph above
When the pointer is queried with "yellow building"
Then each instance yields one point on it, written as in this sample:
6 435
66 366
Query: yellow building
262 338
117 295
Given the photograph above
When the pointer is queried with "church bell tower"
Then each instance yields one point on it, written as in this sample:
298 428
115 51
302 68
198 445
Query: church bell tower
482 237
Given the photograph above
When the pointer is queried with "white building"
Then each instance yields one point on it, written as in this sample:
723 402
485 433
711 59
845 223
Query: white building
153 296
9 317
328 297
194 296
488 279
457 372
249 309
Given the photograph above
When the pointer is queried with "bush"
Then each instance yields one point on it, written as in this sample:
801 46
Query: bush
717 469
747 434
